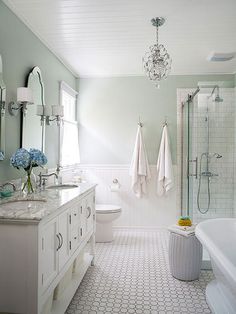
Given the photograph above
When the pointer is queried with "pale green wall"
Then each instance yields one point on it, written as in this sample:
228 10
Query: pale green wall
109 109
21 50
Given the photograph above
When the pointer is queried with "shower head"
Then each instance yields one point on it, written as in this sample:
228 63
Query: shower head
217 98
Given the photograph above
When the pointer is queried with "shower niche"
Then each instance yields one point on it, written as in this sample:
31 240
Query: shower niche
206 140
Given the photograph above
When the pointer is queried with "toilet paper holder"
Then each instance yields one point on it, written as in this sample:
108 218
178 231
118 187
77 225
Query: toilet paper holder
115 185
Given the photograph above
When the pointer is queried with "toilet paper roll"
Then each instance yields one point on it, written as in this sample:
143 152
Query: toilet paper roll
115 187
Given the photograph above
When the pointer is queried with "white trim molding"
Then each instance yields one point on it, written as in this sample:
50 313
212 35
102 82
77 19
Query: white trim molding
64 86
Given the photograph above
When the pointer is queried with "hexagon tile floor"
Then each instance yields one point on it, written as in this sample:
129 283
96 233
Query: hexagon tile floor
132 275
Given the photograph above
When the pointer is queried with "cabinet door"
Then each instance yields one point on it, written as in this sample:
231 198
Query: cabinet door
74 238
75 213
90 211
49 244
83 211
64 221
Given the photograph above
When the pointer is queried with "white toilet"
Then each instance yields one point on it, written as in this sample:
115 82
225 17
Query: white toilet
105 215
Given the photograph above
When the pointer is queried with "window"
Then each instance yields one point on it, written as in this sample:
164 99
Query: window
69 134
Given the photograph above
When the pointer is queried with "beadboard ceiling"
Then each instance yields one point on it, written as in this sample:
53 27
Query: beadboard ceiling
109 37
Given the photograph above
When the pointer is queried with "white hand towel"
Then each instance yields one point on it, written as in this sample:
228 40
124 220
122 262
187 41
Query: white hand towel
185 228
139 168
185 231
165 176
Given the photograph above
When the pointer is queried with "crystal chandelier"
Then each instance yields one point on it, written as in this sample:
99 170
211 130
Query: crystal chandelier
157 61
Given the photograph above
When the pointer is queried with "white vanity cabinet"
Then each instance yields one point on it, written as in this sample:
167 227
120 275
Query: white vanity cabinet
39 254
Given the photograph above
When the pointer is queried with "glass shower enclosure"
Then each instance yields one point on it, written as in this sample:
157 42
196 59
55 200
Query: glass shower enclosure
207 153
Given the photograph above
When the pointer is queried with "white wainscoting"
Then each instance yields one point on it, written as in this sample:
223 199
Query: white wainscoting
151 211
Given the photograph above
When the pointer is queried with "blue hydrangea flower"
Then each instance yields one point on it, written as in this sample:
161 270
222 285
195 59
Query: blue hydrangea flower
37 157
21 159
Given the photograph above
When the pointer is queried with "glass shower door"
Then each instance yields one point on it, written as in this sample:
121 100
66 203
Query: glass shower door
189 164
207 156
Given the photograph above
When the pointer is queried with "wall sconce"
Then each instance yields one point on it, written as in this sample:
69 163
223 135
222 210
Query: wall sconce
24 98
50 113
54 111
40 112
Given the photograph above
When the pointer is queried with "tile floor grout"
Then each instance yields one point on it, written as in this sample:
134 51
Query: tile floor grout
132 275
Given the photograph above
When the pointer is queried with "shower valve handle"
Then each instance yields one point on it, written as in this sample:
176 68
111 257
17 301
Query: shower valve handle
209 174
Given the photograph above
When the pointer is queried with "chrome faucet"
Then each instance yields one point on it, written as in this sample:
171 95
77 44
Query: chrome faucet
59 178
43 178
8 183
58 169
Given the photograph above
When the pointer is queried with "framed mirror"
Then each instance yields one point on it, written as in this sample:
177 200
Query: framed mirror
2 112
33 124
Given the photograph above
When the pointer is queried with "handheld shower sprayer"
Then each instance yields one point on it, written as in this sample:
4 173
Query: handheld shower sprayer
216 155
208 175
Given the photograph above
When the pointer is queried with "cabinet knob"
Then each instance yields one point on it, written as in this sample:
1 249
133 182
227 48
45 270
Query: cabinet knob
75 238
75 214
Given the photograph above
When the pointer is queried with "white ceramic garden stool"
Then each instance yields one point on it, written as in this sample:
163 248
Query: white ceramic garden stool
185 256
105 215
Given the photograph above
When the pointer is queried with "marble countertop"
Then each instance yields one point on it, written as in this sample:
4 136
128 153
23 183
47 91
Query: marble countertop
40 204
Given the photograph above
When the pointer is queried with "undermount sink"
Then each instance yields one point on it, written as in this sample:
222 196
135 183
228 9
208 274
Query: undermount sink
22 204
62 186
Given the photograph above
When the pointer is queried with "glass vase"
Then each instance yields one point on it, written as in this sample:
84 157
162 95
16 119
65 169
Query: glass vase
29 183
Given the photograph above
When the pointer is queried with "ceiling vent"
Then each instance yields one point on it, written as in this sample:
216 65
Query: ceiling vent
220 56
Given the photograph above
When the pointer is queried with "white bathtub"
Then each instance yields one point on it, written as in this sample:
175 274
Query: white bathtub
218 236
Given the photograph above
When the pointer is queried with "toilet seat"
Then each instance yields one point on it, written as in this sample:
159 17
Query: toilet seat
107 209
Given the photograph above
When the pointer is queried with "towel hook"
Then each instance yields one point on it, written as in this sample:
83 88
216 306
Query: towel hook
139 122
